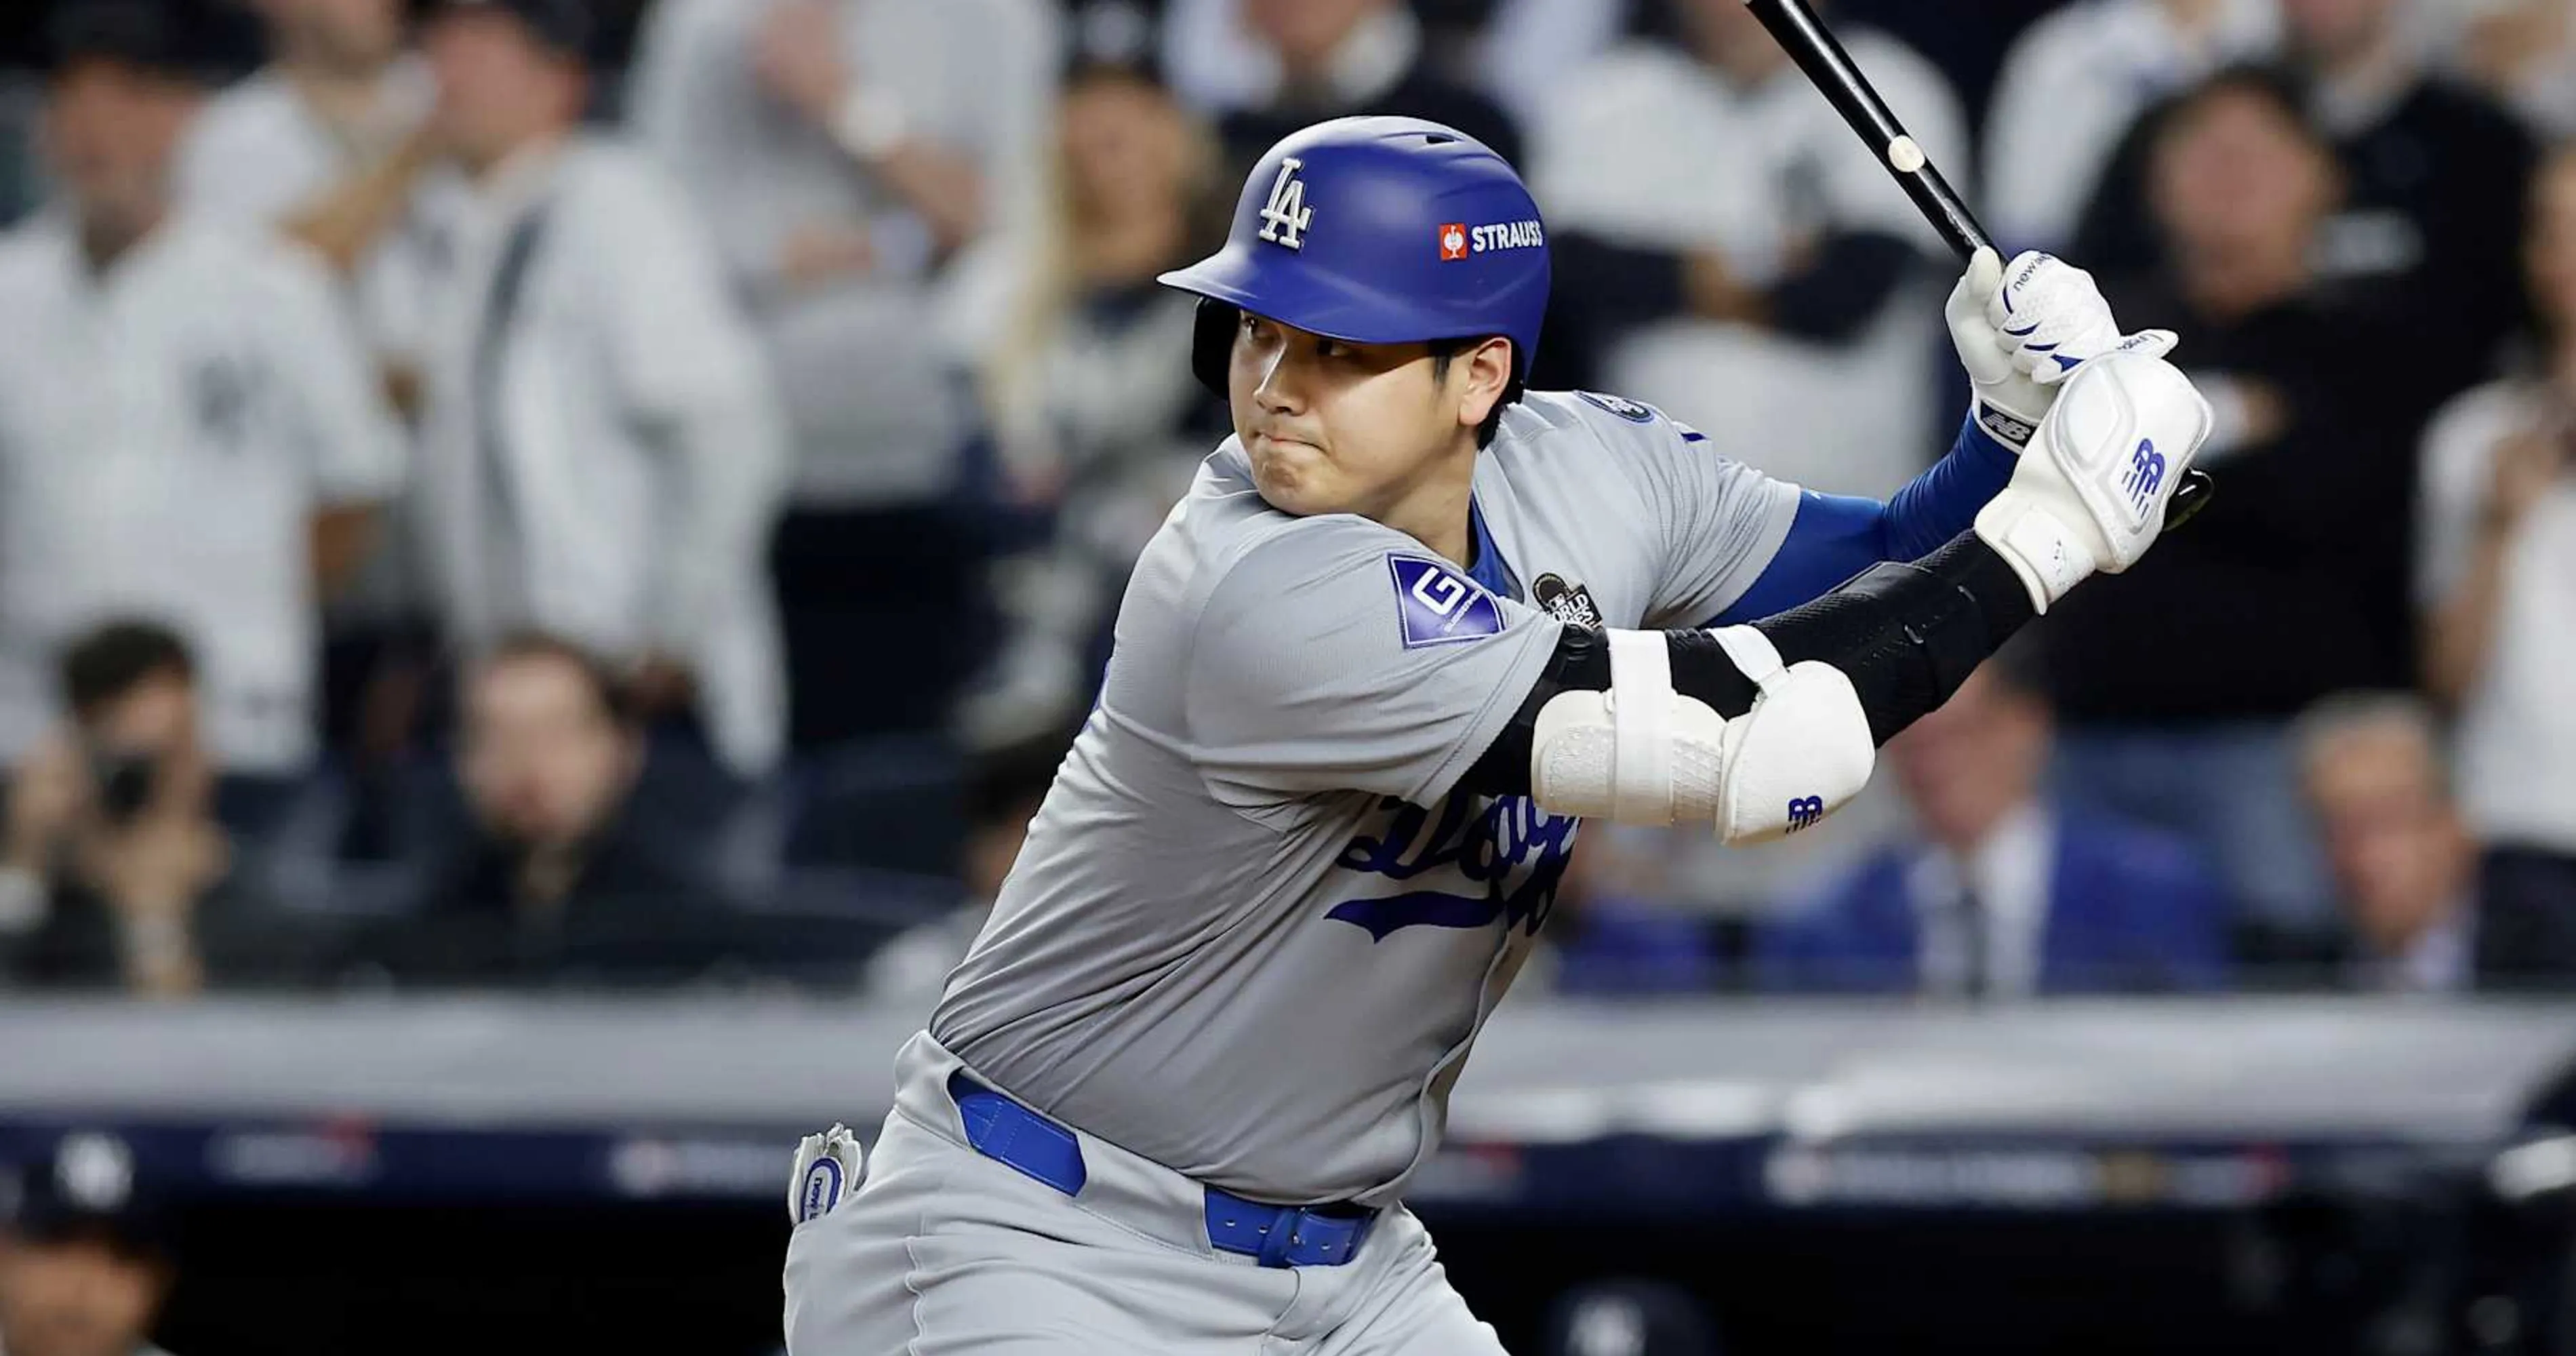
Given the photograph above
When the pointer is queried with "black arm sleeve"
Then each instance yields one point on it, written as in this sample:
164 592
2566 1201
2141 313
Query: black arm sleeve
1907 635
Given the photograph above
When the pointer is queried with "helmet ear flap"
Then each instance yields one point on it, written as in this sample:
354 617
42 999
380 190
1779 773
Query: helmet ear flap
1212 343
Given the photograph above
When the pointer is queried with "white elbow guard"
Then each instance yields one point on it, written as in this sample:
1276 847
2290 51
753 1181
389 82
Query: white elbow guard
1800 754
1639 753
1642 753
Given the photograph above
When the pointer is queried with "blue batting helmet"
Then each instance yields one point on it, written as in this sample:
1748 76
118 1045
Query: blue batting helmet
1377 231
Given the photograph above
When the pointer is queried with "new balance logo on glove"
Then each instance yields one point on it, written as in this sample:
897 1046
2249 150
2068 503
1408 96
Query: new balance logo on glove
2146 475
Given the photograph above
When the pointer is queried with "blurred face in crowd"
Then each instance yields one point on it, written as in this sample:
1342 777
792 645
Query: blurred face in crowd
546 763
1127 147
1725 34
1356 428
78 1297
346 37
1305 32
2236 176
499 87
2338 30
2550 250
112 133
2394 841
1975 760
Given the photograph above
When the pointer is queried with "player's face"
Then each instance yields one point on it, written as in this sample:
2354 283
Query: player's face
74 1299
2552 248
111 133
1334 427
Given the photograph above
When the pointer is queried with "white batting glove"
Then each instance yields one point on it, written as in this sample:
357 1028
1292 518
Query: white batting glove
2053 320
2009 404
2090 493
2021 331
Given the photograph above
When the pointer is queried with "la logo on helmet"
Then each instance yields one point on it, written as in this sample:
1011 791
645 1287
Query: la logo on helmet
1285 219
1453 241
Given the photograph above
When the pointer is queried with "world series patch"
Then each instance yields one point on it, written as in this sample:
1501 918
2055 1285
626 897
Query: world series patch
1569 603
1441 606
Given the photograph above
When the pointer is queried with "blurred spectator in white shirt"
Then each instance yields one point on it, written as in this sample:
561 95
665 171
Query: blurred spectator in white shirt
187 427
2496 578
1529 45
2403 862
1734 258
873 171
1100 420
1265 68
2077 80
603 456
327 143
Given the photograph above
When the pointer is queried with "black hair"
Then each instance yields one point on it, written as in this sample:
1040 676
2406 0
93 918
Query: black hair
615 699
165 38
2277 86
117 658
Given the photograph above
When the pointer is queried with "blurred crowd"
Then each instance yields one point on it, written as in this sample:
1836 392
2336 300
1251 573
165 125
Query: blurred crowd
559 492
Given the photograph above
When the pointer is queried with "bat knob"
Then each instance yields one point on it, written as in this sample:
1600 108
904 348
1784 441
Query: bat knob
2189 498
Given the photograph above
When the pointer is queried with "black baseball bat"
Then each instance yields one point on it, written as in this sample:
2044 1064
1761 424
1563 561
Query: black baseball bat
1831 70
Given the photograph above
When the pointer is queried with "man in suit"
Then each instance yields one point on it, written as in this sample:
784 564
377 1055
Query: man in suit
2403 860
2007 892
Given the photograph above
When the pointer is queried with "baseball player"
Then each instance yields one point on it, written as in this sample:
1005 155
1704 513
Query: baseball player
1411 624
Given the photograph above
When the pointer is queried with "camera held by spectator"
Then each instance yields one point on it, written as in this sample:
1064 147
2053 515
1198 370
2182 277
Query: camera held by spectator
112 844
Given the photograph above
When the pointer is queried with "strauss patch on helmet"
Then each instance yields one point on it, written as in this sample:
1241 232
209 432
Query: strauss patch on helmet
1508 235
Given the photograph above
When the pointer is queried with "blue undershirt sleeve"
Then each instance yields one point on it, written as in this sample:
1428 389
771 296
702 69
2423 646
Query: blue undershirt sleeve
1835 537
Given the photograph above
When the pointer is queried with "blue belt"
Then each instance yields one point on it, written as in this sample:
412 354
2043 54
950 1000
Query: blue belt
1280 1236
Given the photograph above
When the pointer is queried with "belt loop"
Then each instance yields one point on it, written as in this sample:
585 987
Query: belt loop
1281 1233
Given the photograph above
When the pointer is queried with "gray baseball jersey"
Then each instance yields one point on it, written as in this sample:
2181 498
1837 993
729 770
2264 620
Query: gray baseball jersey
1253 934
